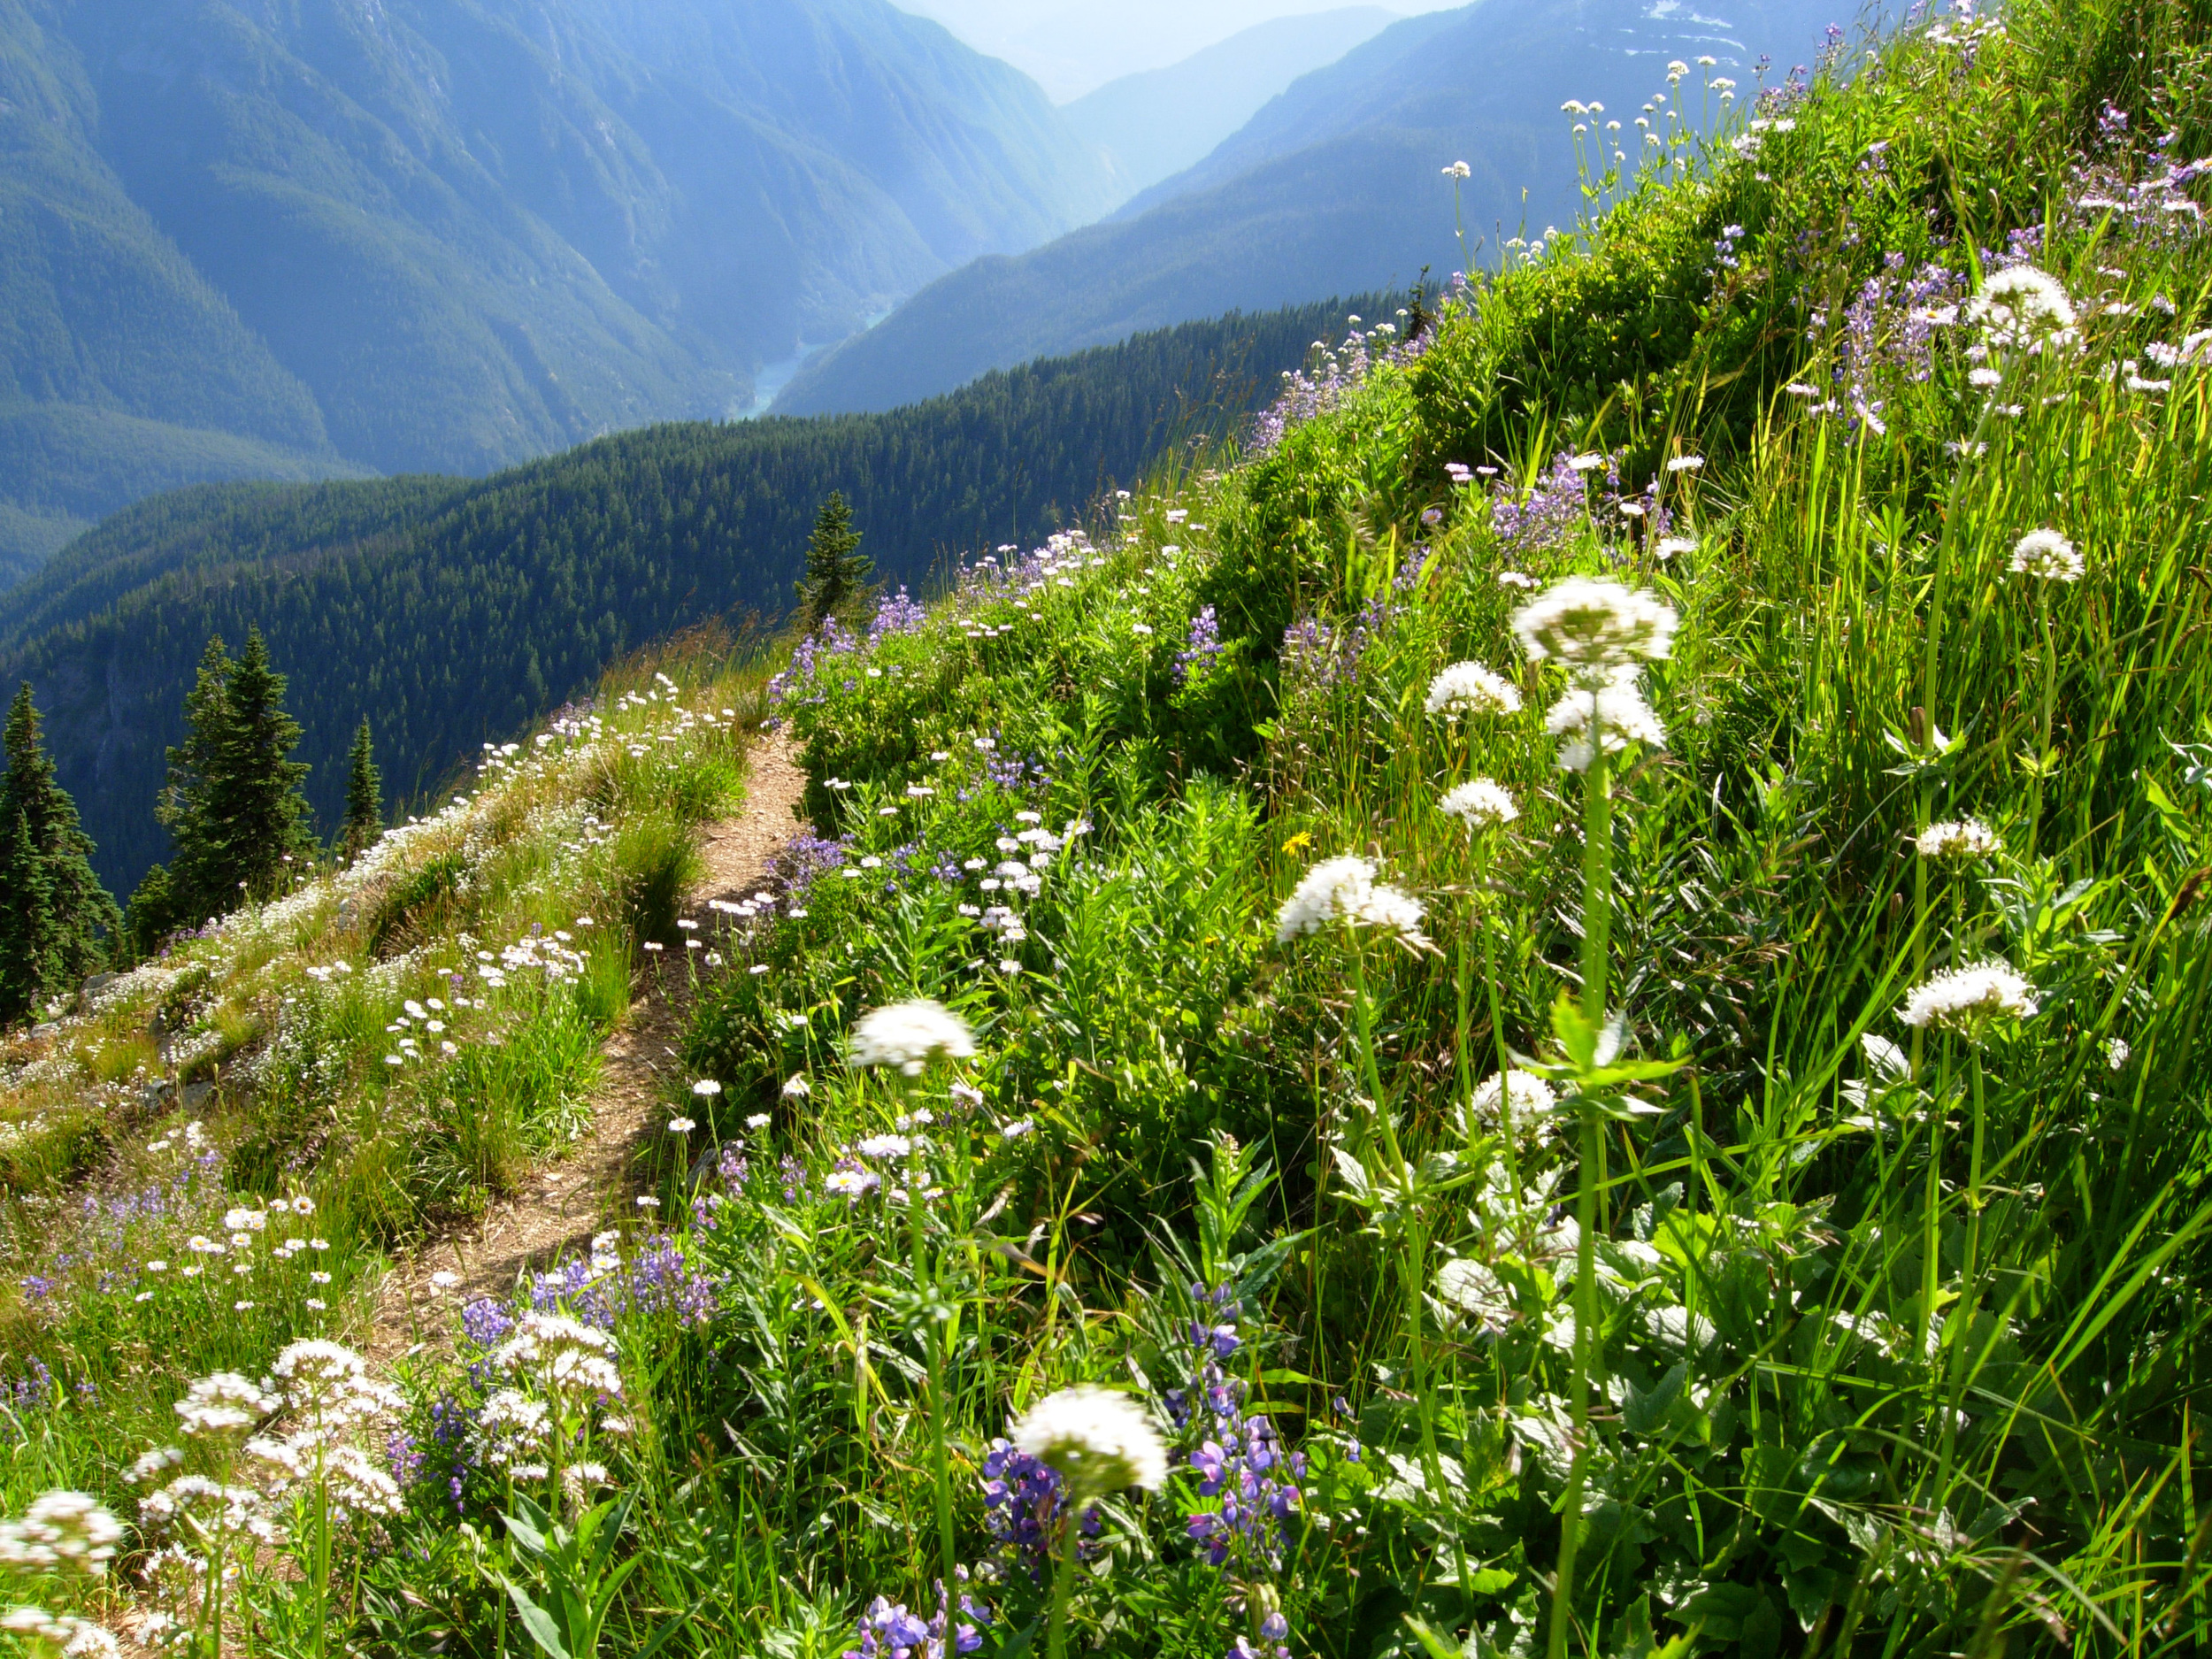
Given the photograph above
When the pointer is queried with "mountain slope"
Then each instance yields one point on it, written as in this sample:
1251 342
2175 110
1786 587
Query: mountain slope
1334 187
1160 121
450 235
451 611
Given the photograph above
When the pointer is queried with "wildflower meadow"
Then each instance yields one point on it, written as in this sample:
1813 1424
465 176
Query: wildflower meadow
1556 1007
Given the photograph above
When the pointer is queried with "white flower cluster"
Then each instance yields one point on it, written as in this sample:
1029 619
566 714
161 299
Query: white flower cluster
1965 999
1344 891
1466 688
76 1637
225 1405
1481 804
1528 1096
1955 841
2022 308
910 1035
209 1511
62 1529
1599 632
1615 710
1592 628
565 1357
1098 1441
2048 557
512 1433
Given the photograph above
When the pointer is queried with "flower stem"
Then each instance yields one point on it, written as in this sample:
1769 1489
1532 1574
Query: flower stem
1063 1583
1597 919
2050 702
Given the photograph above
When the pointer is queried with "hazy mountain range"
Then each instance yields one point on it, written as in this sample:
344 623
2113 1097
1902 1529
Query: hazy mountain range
299 238
1334 186
1159 122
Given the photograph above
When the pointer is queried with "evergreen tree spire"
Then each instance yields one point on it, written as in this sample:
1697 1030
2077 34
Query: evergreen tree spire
837 572
55 860
233 802
365 798
29 959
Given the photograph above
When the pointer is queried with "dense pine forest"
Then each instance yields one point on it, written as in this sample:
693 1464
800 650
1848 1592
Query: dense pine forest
449 612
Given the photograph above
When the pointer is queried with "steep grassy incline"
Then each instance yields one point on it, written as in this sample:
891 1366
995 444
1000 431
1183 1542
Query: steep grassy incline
452 611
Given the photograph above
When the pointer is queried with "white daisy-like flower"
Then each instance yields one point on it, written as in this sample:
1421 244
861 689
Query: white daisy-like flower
1593 628
910 1035
1344 890
884 1146
706 1088
1481 804
797 1087
1470 688
2048 555
851 1185
680 1126
1686 464
1672 546
1616 708
1098 1441
1965 999
1958 839
758 1121
2022 307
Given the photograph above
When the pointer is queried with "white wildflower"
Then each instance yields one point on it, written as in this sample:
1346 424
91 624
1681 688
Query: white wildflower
2116 1053
1099 1441
2022 307
1481 804
1344 890
910 1035
62 1529
1959 839
1617 709
2048 555
1592 628
1470 688
1963 999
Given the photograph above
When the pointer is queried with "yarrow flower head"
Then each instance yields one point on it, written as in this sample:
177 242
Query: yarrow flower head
1481 804
1470 688
910 1035
1954 842
2048 556
1344 890
2022 308
1593 628
1966 999
1098 1441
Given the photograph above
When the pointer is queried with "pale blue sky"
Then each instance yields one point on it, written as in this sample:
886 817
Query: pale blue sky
1072 46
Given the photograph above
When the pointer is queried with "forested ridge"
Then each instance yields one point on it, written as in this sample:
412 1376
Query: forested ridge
452 611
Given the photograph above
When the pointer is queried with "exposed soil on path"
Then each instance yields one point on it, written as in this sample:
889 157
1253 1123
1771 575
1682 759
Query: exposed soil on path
591 1185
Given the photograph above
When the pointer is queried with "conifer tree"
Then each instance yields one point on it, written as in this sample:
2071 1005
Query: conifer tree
837 572
29 960
233 803
365 798
60 917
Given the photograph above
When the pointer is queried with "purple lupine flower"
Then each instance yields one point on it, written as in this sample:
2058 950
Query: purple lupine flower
1332 373
1240 1461
887 1630
1197 658
404 1457
896 614
485 1322
1023 1505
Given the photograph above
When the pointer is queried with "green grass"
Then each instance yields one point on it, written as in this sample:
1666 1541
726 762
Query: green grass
1834 1334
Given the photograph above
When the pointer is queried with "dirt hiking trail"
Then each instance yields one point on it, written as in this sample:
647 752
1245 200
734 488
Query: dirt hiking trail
589 1185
